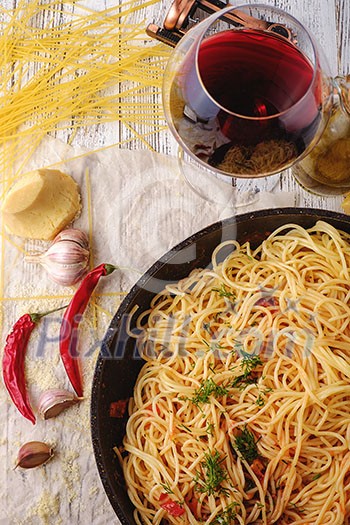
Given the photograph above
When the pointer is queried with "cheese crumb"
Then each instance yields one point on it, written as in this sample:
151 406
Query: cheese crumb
47 507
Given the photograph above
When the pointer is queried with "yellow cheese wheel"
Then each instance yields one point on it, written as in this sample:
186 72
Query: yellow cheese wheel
41 204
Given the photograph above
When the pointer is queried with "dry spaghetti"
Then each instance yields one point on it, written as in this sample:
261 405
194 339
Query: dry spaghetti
241 412
64 67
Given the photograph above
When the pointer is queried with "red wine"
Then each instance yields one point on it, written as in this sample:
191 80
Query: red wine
253 73
259 88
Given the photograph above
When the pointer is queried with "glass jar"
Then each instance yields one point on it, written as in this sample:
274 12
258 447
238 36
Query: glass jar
326 170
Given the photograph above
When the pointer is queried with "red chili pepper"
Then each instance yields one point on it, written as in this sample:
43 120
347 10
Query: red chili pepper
71 320
13 361
172 507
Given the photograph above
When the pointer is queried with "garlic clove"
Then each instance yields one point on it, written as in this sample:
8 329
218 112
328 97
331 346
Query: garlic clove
73 234
33 454
54 401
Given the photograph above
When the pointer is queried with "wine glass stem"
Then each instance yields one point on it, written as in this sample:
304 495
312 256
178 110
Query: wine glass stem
213 187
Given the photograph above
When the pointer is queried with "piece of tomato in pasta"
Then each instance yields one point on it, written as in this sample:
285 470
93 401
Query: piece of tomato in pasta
172 507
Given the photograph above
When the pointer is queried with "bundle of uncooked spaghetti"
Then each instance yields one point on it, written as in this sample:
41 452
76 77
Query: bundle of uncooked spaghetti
64 66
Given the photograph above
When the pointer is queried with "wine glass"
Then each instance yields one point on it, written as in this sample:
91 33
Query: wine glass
246 93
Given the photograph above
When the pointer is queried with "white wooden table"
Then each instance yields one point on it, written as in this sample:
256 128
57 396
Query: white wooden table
329 21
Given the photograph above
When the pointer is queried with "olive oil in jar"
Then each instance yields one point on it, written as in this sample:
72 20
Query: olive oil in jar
326 170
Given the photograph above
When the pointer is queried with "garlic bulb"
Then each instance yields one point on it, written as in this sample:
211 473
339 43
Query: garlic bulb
73 234
67 259
33 454
54 401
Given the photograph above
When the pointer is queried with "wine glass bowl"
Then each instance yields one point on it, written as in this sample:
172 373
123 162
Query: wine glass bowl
246 92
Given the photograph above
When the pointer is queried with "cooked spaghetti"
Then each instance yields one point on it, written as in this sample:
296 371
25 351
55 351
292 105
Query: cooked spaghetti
240 413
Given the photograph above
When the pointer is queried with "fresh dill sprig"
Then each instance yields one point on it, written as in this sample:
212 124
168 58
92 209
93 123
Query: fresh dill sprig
226 516
186 428
243 381
212 475
250 362
238 348
216 346
210 429
208 388
316 476
296 507
167 488
223 292
260 400
248 365
246 445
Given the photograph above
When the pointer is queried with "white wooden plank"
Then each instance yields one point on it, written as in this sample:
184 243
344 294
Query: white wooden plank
343 36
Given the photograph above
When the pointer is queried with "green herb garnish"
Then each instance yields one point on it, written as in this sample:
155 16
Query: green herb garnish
223 292
212 475
294 506
167 488
225 517
238 348
248 365
208 388
250 362
215 346
260 400
316 476
246 445
186 428
210 428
